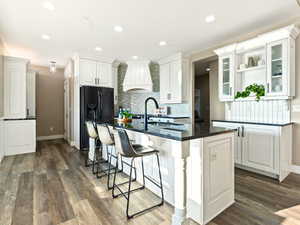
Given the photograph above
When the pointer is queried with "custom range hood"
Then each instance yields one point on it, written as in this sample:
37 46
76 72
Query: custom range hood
138 76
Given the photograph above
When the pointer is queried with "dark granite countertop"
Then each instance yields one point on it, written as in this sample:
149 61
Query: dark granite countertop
254 123
174 131
27 118
138 116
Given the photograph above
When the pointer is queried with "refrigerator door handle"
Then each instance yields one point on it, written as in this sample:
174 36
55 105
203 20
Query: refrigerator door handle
100 104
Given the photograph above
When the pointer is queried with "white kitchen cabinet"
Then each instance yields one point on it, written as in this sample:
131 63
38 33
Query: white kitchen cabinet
237 140
88 72
95 73
31 93
19 136
261 148
174 76
15 70
226 77
281 68
104 75
264 149
274 69
218 173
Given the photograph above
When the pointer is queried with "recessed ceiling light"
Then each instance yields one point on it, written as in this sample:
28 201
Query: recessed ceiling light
49 6
46 37
210 18
98 49
118 28
162 43
135 57
208 69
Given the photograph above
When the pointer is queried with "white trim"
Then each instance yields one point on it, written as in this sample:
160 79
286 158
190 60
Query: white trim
51 137
72 143
295 169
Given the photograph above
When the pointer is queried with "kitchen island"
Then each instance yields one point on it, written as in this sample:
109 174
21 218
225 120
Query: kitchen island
197 164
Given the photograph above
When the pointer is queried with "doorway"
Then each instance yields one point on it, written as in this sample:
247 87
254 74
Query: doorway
67 133
205 91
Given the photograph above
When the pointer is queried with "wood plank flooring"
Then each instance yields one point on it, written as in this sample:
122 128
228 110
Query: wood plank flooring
52 187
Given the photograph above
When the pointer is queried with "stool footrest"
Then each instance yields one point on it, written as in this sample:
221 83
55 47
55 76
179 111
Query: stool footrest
152 181
126 192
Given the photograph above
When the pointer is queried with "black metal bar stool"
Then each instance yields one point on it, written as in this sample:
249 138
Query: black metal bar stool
94 136
107 139
126 149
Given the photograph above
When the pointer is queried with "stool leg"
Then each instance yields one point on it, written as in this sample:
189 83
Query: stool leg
114 179
129 190
122 165
160 178
95 161
109 167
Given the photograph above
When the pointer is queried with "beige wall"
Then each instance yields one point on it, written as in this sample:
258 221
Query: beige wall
217 108
296 101
50 101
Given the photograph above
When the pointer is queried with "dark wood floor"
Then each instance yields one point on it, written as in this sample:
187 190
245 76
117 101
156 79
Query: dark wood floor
53 187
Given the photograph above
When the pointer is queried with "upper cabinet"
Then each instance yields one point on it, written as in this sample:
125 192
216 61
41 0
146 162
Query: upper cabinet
93 72
267 60
15 71
173 79
226 77
88 72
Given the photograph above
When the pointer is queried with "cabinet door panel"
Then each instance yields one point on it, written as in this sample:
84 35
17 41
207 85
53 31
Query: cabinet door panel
164 83
88 72
226 78
277 72
218 174
260 149
237 139
176 82
15 89
104 74
19 136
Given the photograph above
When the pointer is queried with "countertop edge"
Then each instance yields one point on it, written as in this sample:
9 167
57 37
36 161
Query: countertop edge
174 138
255 123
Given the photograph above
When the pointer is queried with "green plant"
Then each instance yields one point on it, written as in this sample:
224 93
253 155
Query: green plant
258 90
127 114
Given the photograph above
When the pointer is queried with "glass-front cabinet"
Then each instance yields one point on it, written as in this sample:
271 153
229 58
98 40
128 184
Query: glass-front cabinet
277 68
226 78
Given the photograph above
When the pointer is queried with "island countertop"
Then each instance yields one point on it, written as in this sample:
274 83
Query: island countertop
174 131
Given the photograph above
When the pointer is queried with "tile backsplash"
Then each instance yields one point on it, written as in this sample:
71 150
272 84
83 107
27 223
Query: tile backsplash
135 100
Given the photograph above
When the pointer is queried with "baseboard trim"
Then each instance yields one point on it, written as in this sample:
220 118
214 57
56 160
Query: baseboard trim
295 169
51 137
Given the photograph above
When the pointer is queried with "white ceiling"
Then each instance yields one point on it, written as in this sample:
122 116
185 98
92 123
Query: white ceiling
80 26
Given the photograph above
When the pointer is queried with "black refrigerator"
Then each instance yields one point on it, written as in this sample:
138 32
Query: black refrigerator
97 105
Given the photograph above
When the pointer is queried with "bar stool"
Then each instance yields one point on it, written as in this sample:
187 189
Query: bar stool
106 138
127 150
93 145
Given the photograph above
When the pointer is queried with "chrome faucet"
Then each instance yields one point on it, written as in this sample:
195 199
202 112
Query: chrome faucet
146 116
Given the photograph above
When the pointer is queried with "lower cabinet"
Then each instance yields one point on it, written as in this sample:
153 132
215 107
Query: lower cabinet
261 148
264 149
19 136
